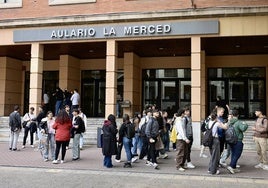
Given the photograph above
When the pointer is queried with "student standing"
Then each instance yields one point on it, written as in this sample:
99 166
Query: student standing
260 137
109 148
28 118
62 127
15 128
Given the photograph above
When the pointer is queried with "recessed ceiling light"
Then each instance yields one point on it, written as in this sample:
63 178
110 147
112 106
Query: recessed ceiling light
161 48
91 51
237 46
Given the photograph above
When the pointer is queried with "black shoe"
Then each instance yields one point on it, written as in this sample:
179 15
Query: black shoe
127 165
75 159
15 149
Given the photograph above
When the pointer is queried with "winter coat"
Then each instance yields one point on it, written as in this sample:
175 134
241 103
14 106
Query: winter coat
240 127
109 139
62 131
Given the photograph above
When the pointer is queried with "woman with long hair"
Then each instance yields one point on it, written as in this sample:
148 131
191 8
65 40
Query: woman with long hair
109 140
62 126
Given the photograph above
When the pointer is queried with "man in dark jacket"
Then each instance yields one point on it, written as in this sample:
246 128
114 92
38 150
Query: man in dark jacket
152 131
15 128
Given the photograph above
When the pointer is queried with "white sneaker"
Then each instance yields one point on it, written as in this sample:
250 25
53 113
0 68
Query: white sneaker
203 155
181 169
32 146
218 172
55 161
155 165
149 163
164 156
134 159
45 160
230 169
118 161
62 161
237 166
265 167
190 165
224 164
260 165
22 147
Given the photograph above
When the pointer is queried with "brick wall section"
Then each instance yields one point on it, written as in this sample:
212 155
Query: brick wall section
40 8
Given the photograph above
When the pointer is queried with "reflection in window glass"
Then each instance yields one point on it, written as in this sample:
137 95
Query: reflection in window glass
167 73
236 72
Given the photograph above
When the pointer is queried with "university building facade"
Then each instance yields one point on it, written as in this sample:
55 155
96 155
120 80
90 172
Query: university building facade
170 53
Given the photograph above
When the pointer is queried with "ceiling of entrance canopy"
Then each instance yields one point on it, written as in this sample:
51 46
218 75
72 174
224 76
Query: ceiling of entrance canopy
145 48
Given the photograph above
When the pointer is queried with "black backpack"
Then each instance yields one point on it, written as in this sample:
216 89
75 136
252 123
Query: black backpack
208 137
130 130
230 135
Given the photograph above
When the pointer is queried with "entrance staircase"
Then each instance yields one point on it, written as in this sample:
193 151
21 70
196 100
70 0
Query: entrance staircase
90 136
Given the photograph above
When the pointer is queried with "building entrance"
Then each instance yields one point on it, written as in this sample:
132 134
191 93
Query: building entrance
168 89
243 89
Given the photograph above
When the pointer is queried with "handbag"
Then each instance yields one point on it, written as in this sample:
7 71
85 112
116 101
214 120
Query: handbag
159 143
24 123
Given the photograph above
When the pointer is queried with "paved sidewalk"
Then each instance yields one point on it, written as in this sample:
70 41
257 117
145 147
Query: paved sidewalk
92 159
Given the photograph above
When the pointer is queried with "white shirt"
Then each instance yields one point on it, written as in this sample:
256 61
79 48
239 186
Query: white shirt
215 127
181 132
46 98
75 98
29 117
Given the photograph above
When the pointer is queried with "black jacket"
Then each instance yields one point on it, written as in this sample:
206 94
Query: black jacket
109 138
14 121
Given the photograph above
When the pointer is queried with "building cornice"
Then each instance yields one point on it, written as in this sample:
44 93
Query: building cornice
215 12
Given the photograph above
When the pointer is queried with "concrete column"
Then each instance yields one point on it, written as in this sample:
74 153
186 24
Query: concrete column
111 78
36 75
10 84
69 73
132 83
198 87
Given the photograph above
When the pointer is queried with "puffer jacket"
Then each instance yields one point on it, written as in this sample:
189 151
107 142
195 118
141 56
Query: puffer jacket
240 127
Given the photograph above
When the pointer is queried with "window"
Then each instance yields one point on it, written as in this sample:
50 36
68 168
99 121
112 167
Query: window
10 3
66 2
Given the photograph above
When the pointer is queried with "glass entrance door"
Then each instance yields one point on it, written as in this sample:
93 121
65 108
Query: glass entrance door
244 95
168 95
93 97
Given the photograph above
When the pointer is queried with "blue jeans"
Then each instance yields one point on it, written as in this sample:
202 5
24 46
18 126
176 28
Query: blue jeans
50 144
127 145
236 153
137 144
58 107
107 161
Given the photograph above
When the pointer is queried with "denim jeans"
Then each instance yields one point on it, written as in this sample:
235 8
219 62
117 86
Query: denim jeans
127 145
137 144
50 145
58 107
81 142
13 140
236 153
76 148
107 161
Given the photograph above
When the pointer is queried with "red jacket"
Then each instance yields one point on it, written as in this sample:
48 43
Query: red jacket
62 131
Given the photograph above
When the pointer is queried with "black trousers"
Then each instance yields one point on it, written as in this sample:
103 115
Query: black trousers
144 149
26 131
62 145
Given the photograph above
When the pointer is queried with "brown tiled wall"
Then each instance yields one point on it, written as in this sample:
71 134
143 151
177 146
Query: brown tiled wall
40 8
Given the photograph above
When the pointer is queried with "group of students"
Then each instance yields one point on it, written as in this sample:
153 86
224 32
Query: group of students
151 138
153 128
53 133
